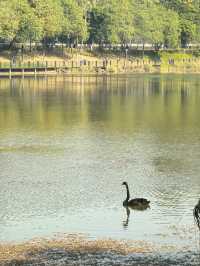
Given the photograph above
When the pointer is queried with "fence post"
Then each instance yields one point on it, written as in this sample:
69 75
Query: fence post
22 69
117 65
10 70
46 68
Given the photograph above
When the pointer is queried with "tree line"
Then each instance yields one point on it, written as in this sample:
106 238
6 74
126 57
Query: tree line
172 23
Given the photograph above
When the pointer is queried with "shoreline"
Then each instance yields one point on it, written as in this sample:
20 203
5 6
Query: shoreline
78 250
88 63
85 75
90 74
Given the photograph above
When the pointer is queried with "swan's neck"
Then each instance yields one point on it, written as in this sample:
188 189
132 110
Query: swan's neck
128 193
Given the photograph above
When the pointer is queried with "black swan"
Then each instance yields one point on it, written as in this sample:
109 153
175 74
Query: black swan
196 214
138 203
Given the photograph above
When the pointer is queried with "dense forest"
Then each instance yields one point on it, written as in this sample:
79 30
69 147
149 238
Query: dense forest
172 23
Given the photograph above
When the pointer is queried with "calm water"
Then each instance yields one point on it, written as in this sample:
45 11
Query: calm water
66 145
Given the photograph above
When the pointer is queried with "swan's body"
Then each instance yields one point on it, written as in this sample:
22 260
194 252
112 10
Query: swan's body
137 203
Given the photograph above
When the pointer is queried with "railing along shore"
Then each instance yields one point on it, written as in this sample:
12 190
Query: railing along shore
94 66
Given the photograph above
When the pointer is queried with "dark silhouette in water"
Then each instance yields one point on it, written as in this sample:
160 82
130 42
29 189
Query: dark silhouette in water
196 214
137 203
125 223
138 208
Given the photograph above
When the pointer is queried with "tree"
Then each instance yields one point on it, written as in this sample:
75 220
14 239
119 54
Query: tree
111 22
155 24
24 25
29 27
8 27
49 14
172 28
189 12
74 24
168 22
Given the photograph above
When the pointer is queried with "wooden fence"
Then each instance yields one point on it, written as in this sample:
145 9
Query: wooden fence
68 66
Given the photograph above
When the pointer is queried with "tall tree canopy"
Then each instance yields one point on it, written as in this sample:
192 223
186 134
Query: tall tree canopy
155 24
173 23
111 21
50 15
8 27
74 24
189 15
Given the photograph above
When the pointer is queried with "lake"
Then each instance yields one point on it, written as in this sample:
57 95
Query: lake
68 143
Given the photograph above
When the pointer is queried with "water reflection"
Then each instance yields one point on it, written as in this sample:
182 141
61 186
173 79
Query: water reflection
156 102
133 209
125 223
66 143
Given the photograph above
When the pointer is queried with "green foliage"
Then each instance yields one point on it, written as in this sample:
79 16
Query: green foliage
111 21
8 26
171 28
155 24
189 14
74 24
188 31
50 16
160 22
29 29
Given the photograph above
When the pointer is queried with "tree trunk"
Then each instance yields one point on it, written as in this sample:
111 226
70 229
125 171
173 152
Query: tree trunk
143 50
30 46
12 42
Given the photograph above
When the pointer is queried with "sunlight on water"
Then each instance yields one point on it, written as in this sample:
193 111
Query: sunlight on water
67 144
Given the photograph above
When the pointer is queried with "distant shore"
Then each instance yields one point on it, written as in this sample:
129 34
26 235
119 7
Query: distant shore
81 63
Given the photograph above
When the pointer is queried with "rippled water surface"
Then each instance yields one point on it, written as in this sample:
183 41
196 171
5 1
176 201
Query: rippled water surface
67 144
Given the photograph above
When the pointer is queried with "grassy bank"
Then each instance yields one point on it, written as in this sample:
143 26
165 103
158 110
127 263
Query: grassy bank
108 62
77 250
29 252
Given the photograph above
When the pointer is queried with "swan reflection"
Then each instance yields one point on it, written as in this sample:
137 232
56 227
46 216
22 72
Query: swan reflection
125 223
136 208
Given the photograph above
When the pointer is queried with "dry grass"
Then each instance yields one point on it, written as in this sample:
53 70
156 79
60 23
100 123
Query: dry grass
4 59
71 243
